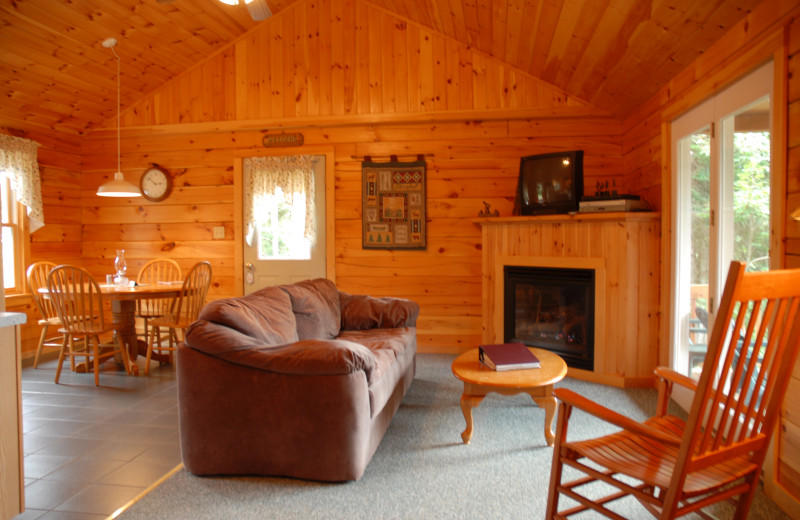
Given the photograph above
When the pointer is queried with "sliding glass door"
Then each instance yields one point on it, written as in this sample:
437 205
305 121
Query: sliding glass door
721 205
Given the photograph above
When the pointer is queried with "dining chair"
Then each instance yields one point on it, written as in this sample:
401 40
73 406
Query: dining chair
674 467
184 311
153 272
37 279
79 305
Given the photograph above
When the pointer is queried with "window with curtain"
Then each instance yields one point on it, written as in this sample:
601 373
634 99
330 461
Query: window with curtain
279 206
20 193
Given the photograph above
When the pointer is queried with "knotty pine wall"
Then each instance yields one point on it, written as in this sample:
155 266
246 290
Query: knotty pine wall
771 31
360 82
338 58
59 240
470 162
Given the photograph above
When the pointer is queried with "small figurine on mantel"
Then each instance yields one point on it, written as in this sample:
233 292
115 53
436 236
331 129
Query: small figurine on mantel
487 211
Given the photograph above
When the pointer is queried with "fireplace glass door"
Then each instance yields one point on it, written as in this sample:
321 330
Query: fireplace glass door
552 309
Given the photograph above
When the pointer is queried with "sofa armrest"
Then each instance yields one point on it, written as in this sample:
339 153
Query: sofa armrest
306 357
360 312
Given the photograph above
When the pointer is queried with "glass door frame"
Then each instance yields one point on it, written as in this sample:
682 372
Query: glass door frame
740 94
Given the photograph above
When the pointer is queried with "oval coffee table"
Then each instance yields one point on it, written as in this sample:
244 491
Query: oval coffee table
479 380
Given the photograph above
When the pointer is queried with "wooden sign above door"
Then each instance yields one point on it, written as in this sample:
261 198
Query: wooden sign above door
283 139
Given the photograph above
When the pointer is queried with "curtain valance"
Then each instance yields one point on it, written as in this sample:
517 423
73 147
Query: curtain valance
19 164
262 175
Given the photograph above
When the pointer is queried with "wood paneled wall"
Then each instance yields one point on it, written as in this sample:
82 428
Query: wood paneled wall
793 143
59 240
356 80
470 162
337 57
771 31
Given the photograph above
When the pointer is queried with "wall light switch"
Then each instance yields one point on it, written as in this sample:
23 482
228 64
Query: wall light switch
219 232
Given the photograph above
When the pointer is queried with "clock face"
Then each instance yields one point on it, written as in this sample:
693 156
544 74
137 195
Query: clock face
155 184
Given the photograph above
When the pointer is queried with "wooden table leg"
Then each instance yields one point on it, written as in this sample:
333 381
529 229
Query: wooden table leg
125 325
543 397
469 400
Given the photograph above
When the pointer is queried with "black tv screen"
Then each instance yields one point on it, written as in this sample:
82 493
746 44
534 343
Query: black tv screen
550 183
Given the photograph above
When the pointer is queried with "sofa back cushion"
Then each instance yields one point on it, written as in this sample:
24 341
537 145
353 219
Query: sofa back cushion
265 315
360 312
316 308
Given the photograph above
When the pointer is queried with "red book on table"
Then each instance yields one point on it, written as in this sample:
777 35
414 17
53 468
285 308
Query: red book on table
507 356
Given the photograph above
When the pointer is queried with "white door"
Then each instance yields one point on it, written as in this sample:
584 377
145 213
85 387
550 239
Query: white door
279 255
722 201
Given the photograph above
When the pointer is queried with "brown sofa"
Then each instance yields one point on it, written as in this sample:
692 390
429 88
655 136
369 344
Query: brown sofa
297 380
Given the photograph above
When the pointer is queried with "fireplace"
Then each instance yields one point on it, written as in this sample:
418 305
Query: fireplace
623 250
551 308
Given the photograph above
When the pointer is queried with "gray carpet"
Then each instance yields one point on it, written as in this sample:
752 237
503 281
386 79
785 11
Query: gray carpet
421 469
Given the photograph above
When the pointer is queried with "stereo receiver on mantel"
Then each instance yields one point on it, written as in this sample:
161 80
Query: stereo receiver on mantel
618 203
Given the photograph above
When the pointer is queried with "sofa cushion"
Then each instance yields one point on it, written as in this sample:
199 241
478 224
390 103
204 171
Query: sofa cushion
265 315
360 311
304 357
394 350
316 307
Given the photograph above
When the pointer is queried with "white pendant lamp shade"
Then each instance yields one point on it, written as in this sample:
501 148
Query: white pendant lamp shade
118 187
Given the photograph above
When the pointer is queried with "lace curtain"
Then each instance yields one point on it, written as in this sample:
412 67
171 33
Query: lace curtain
19 164
293 174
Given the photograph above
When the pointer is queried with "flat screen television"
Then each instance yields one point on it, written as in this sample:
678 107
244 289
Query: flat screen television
550 183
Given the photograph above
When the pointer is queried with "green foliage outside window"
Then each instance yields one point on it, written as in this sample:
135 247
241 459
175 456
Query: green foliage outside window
751 204
275 231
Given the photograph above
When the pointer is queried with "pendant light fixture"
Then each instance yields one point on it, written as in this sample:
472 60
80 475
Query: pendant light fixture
258 9
118 187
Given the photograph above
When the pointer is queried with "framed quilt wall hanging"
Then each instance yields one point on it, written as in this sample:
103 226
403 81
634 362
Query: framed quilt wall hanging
393 195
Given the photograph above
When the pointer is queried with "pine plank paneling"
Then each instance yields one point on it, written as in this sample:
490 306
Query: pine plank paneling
365 44
469 162
59 240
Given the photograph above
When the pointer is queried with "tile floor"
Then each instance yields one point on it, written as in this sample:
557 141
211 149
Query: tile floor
90 450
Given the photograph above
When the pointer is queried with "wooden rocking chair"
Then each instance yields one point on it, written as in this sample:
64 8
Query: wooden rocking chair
674 467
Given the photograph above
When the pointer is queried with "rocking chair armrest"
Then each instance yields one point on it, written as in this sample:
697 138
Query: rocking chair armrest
675 377
573 399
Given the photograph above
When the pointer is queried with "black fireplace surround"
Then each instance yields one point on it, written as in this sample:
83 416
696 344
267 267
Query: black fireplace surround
551 308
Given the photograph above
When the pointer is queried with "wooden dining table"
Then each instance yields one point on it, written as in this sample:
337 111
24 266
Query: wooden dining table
123 307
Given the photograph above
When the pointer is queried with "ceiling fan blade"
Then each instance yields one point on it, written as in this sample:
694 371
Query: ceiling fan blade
259 10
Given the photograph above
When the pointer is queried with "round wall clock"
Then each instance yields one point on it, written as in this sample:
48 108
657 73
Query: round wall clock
156 183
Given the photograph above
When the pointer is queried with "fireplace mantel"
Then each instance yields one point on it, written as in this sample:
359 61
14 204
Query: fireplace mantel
622 248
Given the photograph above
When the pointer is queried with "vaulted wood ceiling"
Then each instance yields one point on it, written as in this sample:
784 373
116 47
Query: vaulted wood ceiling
615 54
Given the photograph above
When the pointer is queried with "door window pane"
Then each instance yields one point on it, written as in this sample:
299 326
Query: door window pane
748 178
281 228
695 166
9 236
